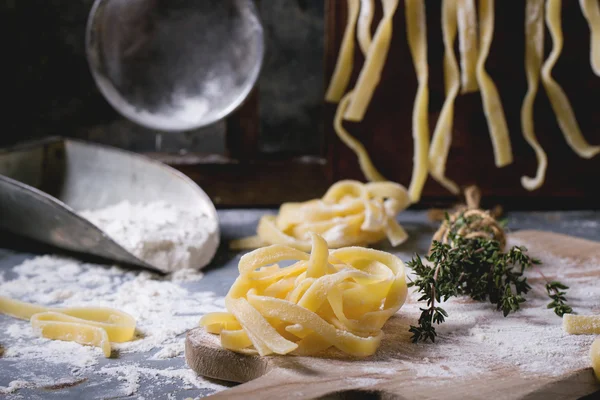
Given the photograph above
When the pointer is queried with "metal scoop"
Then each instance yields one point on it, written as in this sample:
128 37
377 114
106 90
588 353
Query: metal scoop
175 65
43 184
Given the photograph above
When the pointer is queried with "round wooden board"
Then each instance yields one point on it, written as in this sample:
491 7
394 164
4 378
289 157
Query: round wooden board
384 375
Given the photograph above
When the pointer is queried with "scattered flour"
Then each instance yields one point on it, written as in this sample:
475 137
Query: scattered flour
162 234
164 312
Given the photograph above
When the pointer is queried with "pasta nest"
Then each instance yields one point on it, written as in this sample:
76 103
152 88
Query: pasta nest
349 214
340 298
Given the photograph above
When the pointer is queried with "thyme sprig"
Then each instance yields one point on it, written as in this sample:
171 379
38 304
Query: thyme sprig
475 267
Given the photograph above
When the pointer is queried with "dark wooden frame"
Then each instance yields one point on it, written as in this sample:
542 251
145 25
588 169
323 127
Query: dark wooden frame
248 178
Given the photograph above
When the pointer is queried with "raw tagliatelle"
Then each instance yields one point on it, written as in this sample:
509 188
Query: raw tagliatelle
442 134
534 51
94 326
591 11
558 99
349 214
467 43
492 105
340 298
416 29
343 67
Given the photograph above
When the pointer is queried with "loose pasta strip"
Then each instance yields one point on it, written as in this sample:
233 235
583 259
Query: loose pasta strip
442 135
558 99
93 326
591 11
417 40
370 74
343 66
349 214
364 161
363 26
467 43
595 357
492 105
346 296
581 324
534 52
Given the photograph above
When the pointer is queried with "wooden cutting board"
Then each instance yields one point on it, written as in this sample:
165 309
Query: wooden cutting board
384 375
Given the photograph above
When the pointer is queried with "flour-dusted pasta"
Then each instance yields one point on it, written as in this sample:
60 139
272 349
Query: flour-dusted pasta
581 324
340 298
349 214
467 43
94 326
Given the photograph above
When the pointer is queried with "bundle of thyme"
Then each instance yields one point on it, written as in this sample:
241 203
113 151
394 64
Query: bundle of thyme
468 258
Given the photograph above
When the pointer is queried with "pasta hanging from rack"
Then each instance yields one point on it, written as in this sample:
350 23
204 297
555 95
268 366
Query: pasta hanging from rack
474 27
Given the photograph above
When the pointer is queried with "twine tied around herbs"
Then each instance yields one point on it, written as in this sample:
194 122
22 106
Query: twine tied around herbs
469 222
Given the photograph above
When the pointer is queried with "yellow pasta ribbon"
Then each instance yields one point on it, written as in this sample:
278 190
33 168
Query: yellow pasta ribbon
364 161
489 94
340 298
343 66
581 324
534 52
417 40
363 26
591 12
370 74
595 357
93 326
467 43
351 213
442 135
558 99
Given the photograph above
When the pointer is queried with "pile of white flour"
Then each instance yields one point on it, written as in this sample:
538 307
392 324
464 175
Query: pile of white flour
164 312
162 234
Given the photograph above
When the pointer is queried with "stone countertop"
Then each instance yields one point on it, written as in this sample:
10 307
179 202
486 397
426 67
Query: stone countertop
218 278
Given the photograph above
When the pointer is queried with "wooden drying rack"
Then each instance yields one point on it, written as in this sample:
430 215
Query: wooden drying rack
246 177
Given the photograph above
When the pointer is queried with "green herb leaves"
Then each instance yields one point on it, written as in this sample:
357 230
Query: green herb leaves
476 267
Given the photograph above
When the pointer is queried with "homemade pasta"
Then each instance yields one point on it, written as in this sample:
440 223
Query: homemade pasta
595 356
591 12
340 298
558 99
416 29
370 74
467 43
534 52
343 67
363 26
581 324
442 135
93 326
492 106
364 161
349 214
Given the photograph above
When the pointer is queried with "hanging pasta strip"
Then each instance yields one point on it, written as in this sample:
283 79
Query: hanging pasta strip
343 67
558 99
534 52
366 165
363 26
492 105
467 43
591 12
442 135
370 74
417 40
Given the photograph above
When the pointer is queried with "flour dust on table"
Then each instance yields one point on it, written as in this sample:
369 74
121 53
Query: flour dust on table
164 311
161 234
